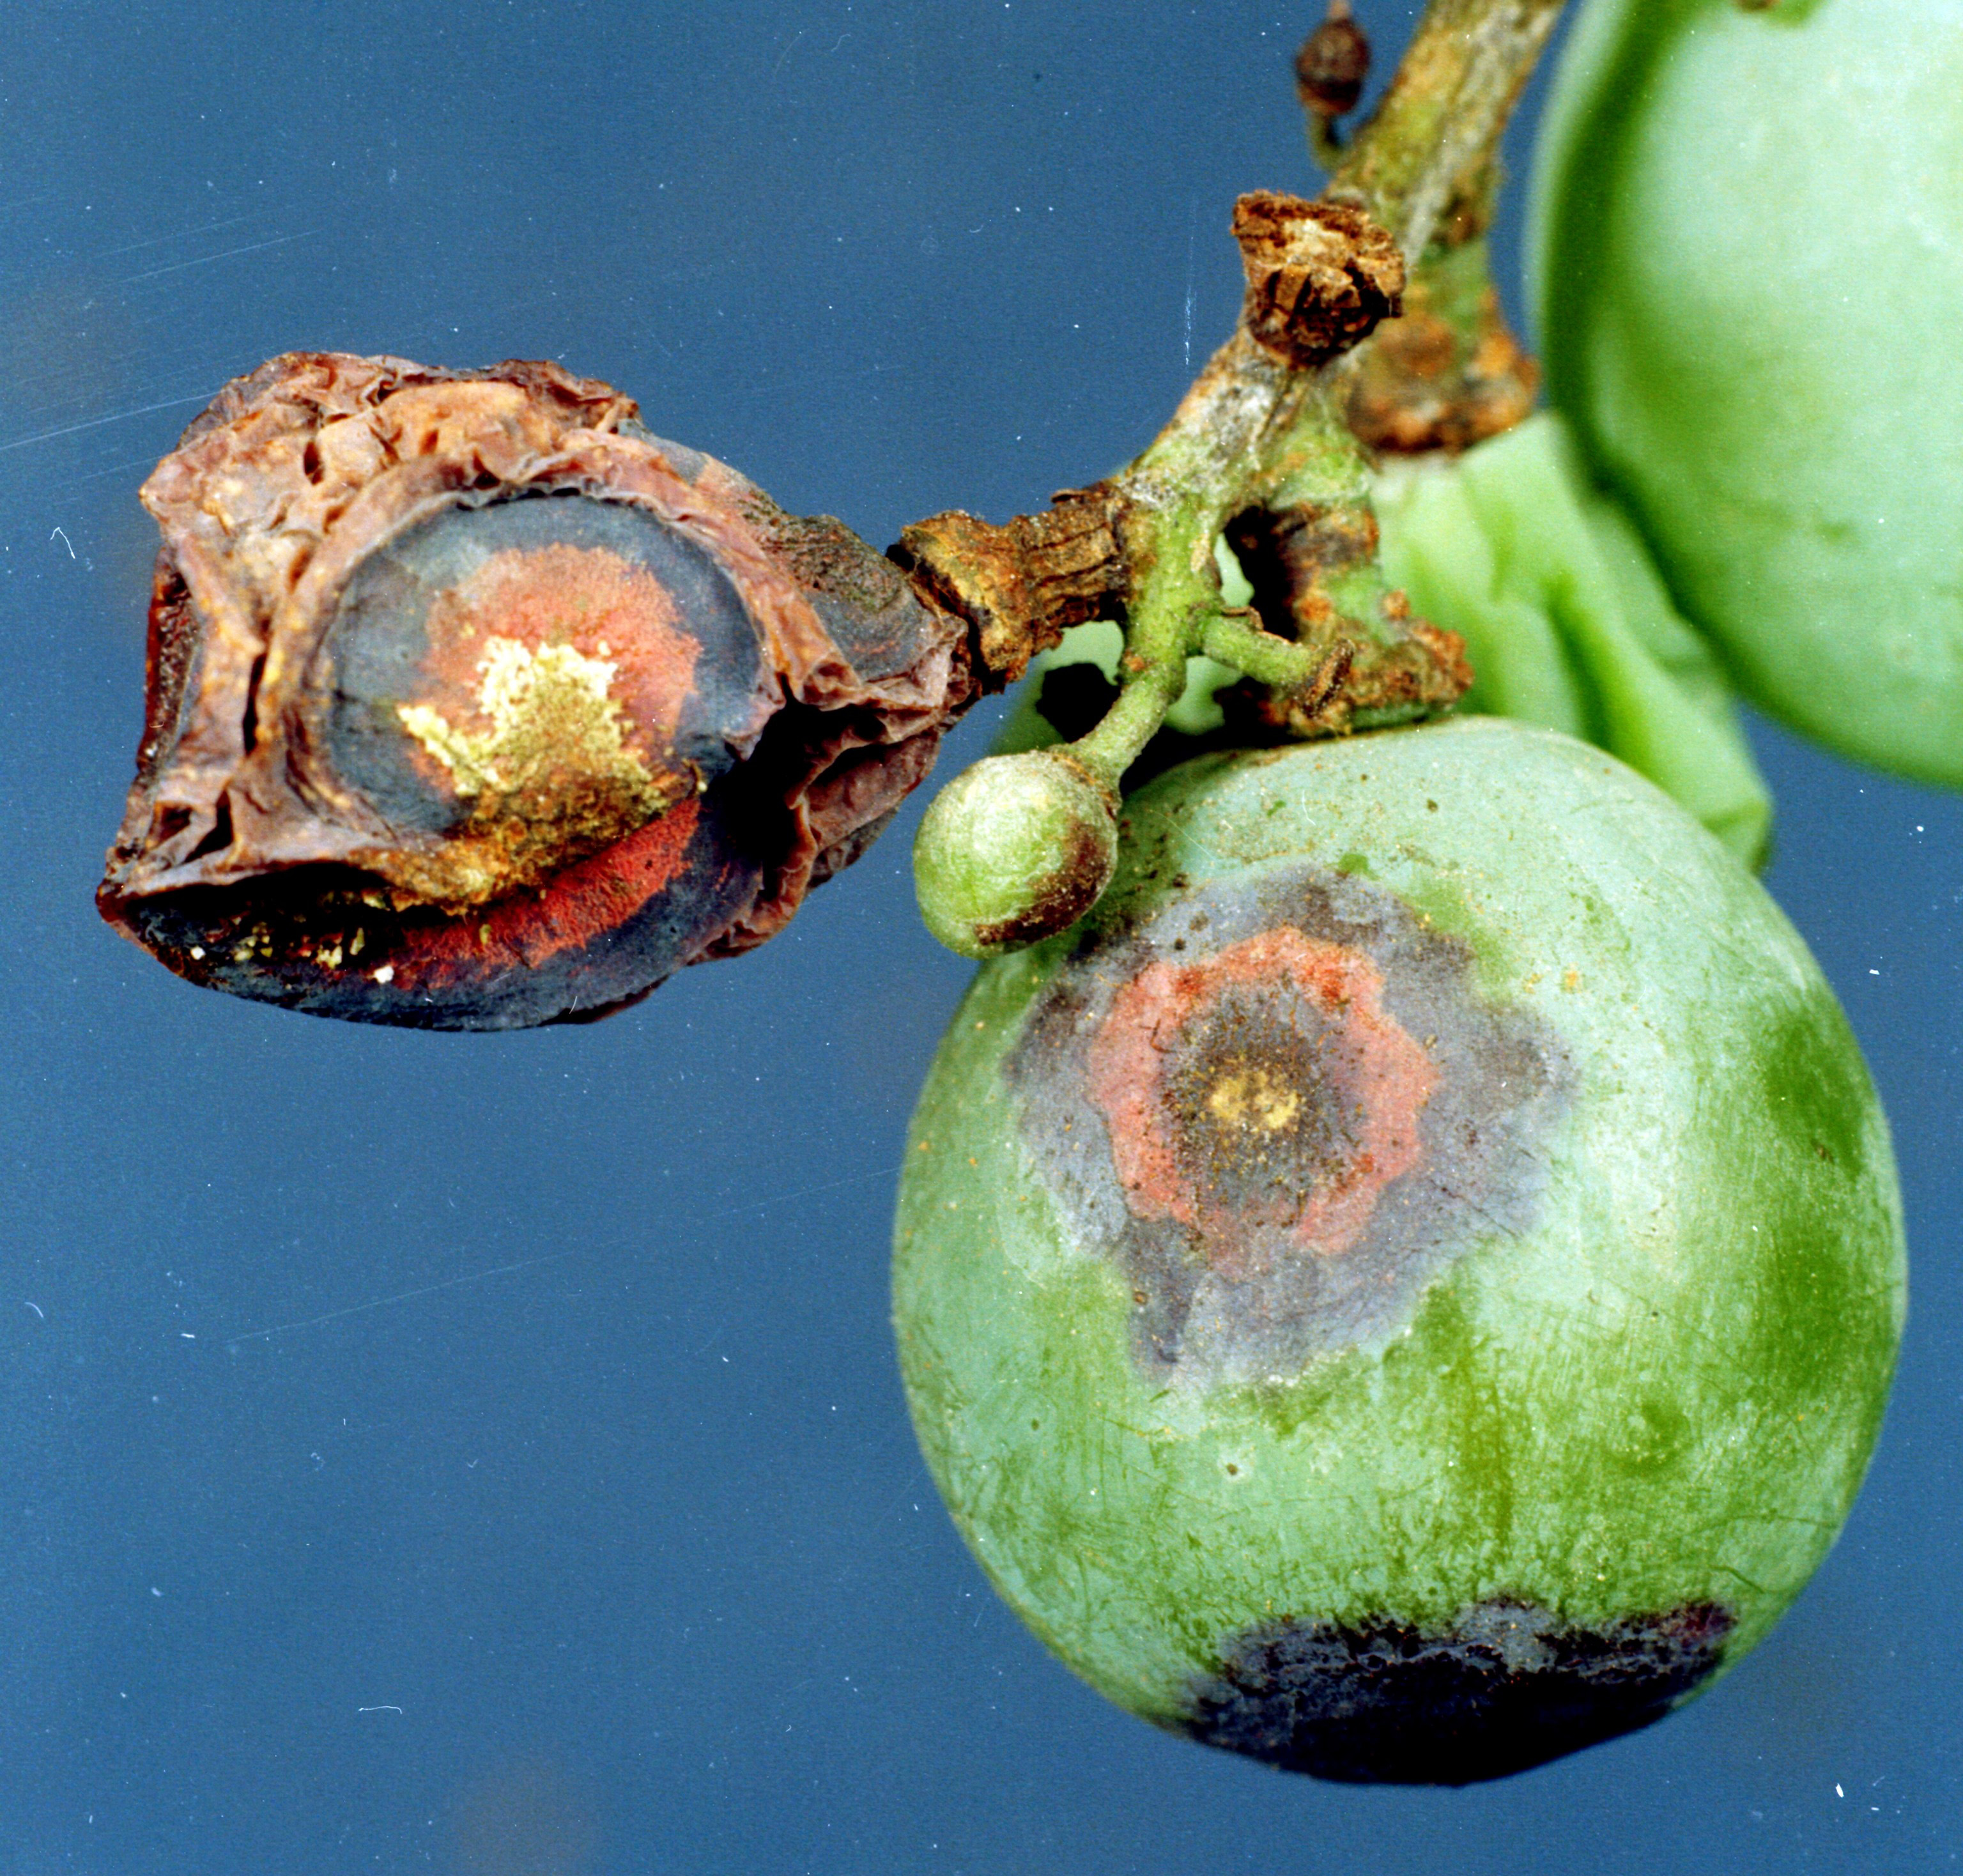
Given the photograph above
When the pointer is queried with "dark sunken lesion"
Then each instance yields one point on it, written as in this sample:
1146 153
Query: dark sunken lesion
320 940
1507 1687
1061 896
378 641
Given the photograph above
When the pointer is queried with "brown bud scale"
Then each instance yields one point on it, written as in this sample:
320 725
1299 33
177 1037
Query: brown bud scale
1332 65
1321 275
1022 585
1393 668
1424 384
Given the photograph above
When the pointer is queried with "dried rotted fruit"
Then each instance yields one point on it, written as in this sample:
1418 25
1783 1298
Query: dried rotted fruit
472 705
1408 1287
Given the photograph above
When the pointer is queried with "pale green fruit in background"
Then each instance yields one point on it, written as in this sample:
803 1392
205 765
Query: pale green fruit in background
1409 1287
1746 263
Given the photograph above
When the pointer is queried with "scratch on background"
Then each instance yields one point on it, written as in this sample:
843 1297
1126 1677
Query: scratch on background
527 1263
115 417
1192 233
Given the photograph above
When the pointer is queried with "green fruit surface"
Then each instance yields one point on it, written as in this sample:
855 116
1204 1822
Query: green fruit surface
1748 266
1642 1360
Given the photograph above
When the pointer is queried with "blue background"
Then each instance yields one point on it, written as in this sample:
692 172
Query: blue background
485 1455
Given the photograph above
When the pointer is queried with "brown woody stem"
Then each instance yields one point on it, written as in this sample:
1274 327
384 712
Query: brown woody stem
1263 429
1431 142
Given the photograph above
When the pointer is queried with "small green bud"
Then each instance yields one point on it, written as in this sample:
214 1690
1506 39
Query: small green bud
1014 850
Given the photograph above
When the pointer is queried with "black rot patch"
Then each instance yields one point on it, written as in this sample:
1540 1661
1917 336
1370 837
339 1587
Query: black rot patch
1505 1687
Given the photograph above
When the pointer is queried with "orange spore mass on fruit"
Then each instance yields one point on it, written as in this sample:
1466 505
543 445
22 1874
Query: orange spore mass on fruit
587 599
584 903
1265 1083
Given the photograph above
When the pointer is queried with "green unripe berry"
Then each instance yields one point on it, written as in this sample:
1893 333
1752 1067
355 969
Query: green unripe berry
1014 850
1410 1287
1748 268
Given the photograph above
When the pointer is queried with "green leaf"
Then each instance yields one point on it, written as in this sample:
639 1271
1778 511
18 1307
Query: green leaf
1567 622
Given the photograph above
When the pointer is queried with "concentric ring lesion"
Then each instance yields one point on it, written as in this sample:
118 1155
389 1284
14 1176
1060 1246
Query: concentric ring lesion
1282 1107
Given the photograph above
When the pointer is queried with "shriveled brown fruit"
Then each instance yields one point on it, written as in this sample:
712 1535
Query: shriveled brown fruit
472 705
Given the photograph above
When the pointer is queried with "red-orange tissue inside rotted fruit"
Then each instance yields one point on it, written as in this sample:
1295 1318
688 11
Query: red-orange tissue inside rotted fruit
473 705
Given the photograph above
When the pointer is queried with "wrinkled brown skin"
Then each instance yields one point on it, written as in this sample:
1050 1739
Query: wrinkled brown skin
249 860
1025 583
